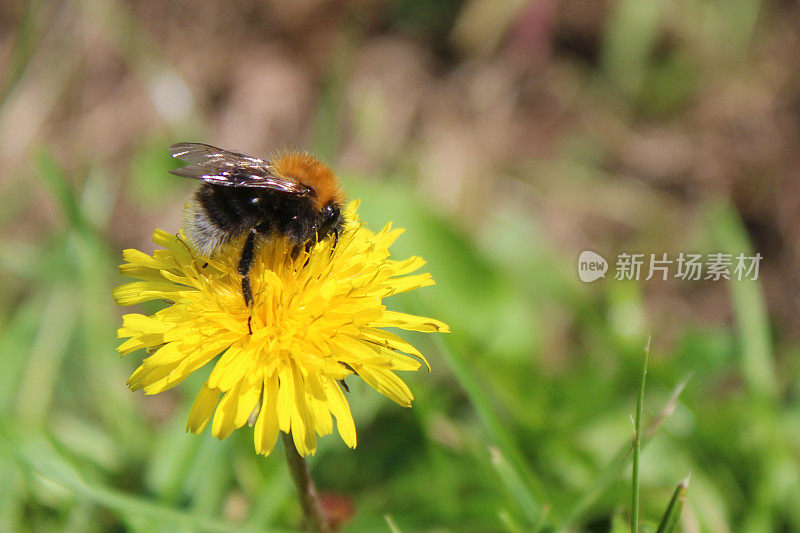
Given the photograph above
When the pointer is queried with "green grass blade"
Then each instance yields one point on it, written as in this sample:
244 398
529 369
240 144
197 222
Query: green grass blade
17 337
52 175
27 36
512 479
672 516
391 524
628 43
617 463
12 501
508 522
51 345
274 492
533 492
38 456
757 369
637 444
752 320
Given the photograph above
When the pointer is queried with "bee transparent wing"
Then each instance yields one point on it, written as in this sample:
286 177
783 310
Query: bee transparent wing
222 167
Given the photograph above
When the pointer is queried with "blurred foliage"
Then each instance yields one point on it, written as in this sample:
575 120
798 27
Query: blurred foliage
506 137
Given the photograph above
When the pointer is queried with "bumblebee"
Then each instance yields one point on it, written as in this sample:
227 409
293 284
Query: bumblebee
291 194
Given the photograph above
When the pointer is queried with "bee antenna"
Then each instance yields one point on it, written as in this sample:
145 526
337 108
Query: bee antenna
189 249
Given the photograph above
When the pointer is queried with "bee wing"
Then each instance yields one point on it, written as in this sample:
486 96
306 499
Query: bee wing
222 167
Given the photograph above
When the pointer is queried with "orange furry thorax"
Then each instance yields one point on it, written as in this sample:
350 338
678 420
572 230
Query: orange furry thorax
312 172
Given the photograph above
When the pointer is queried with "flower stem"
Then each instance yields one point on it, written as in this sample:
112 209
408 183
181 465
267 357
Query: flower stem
315 518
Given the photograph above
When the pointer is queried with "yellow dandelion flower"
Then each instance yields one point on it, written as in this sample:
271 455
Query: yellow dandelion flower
315 320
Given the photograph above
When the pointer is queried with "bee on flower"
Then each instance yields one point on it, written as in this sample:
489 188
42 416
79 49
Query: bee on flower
285 310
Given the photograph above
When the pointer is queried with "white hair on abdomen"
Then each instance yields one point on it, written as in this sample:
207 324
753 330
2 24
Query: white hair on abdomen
203 234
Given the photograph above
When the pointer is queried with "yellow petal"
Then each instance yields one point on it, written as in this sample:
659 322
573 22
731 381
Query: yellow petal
317 405
135 323
131 345
408 283
225 417
146 375
303 432
389 340
166 355
341 410
266 429
385 382
394 319
230 369
144 291
285 398
247 402
198 358
407 266
202 409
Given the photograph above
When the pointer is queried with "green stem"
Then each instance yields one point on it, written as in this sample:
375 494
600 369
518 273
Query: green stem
637 444
312 510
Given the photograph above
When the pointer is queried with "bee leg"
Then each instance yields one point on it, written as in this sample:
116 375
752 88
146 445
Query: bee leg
341 381
247 291
189 249
335 231
245 262
305 247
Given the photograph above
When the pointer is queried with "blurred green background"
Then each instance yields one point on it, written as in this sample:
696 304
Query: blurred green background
507 137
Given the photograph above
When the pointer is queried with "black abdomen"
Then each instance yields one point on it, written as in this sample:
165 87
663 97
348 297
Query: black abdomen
223 213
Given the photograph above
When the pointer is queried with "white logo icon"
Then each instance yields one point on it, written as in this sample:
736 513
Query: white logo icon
591 266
